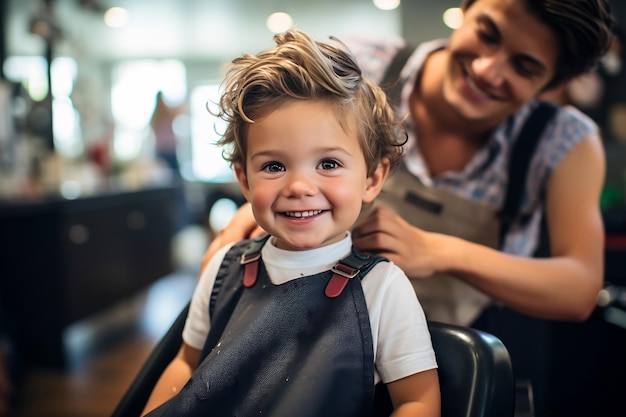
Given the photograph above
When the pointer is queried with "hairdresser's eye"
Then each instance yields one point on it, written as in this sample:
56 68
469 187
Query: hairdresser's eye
487 30
488 37
522 70
328 164
273 167
527 67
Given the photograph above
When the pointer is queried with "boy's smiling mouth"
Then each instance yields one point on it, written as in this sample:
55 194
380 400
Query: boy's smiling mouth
302 214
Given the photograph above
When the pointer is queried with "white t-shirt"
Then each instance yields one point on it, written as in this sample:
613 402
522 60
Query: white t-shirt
402 344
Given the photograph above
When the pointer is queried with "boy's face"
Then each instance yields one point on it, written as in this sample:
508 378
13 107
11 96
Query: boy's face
305 176
500 58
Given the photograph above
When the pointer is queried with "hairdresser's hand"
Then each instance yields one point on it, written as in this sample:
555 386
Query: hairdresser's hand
385 233
241 226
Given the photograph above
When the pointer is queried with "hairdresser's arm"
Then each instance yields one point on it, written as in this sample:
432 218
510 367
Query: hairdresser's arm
174 377
564 286
416 395
241 226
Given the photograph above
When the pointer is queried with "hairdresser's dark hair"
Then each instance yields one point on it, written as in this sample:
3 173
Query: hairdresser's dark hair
584 29
299 68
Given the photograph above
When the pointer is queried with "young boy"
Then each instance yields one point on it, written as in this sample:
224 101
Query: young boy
288 332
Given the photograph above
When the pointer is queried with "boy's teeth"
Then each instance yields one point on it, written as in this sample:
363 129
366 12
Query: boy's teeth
303 213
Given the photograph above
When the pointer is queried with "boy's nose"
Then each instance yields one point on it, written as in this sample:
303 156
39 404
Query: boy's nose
299 186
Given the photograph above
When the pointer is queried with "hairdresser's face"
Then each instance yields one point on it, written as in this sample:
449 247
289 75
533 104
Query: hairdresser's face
305 176
500 58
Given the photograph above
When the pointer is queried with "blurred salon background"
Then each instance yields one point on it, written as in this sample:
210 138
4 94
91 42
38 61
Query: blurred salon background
111 188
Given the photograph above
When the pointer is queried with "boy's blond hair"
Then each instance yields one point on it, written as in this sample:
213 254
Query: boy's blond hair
299 68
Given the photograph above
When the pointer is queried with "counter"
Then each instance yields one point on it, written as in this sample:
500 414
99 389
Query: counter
63 260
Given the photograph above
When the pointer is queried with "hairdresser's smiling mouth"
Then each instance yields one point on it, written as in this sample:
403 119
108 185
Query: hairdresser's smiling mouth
475 90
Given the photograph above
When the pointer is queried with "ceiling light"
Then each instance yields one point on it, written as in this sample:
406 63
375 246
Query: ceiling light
279 22
116 17
386 4
453 17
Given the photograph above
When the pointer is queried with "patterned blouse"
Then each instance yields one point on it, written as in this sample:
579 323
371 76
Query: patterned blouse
484 178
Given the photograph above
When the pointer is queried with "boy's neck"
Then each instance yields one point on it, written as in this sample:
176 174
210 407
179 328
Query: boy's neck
276 242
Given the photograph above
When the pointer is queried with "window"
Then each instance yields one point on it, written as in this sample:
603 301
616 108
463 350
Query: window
32 73
134 88
207 163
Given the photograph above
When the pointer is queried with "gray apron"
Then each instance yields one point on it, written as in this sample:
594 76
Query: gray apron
282 350
444 298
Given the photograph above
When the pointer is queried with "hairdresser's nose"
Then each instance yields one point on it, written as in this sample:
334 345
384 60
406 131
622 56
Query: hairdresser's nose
490 69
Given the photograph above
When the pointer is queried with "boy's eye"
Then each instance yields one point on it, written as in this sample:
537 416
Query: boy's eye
273 167
328 164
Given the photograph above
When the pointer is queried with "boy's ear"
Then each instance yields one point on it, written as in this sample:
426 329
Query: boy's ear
242 178
374 182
